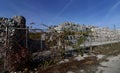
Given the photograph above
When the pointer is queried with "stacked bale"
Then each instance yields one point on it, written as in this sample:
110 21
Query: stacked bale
13 36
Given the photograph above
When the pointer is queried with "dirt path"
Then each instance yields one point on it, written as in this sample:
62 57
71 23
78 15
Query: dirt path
111 66
106 60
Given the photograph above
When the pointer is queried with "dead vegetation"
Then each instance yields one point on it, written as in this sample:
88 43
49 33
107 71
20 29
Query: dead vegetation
108 50
72 65
87 63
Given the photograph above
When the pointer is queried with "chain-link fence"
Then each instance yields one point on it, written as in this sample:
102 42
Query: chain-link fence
41 42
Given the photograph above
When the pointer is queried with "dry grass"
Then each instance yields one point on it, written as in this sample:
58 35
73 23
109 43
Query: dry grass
108 50
72 65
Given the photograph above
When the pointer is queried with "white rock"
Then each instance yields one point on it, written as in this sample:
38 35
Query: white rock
100 57
35 69
66 60
60 62
85 55
63 61
70 72
79 57
82 70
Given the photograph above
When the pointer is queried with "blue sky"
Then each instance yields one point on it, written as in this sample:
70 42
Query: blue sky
53 12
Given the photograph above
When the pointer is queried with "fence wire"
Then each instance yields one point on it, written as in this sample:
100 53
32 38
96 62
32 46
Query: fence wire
38 40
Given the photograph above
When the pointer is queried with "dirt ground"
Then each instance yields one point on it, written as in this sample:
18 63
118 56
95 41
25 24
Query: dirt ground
108 50
73 65
88 65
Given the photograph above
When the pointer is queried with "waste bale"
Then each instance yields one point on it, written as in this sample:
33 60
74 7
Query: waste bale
13 36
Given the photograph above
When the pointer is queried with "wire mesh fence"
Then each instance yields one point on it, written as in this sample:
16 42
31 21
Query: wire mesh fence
39 40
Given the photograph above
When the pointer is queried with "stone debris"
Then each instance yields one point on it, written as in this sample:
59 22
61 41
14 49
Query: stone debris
63 61
100 56
82 71
70 72
85 55
78 58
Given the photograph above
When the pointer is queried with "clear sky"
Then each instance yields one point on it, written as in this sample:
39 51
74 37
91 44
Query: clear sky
54 12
